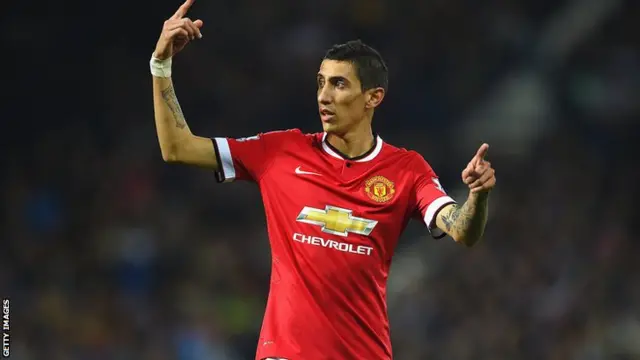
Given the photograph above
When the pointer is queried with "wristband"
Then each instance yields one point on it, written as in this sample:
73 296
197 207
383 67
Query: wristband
160 68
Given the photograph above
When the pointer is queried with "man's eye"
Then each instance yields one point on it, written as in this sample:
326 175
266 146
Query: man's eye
340 84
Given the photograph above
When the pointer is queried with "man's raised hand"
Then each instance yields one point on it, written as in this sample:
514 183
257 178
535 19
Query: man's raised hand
177 31
479 175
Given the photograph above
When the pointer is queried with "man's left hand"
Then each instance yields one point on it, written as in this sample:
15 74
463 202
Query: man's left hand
479 175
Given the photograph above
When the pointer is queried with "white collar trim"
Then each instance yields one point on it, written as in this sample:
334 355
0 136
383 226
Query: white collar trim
369 157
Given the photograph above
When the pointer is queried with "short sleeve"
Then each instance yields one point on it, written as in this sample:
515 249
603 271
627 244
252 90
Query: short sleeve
247 158
430 196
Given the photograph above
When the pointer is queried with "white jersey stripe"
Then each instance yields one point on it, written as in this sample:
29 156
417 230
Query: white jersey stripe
224 153
433 207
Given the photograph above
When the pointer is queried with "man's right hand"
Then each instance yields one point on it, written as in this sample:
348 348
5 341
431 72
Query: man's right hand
177 32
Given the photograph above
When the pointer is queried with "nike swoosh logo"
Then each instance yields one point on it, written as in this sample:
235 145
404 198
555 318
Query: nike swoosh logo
302 172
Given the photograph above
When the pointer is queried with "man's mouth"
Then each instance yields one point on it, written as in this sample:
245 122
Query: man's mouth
326 115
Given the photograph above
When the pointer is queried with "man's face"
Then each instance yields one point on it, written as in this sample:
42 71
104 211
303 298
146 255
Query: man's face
341 101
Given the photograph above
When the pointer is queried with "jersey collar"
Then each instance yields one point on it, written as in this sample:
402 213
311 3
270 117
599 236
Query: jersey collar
368 156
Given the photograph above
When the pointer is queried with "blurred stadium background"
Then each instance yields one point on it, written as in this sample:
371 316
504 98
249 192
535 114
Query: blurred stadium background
108 253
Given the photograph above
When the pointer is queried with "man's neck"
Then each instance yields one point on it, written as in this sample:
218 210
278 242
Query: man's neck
353 143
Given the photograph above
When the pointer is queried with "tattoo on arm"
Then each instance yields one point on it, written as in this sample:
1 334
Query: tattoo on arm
169 96
459 218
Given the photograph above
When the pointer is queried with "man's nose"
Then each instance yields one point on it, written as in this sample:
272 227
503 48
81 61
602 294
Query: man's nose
324 96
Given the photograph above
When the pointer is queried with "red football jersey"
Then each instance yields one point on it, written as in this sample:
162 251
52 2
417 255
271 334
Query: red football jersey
333 225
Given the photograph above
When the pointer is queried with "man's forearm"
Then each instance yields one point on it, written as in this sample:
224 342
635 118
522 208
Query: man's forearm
466 222
170 122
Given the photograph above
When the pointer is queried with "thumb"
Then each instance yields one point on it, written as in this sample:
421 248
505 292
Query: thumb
468 170
198 24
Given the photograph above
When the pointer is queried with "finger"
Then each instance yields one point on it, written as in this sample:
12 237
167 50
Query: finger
467 170
469 176
482 167
182 10
186 24
181 25
483 179
196 28
192 29
480 154
470 166
174 24
199 24
177 32
486 186
465 173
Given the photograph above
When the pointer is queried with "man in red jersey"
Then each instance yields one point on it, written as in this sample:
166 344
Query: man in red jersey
336 202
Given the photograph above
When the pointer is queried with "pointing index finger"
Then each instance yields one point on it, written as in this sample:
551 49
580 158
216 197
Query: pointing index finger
482 152
182 10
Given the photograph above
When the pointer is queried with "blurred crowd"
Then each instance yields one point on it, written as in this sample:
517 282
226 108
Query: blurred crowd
109 253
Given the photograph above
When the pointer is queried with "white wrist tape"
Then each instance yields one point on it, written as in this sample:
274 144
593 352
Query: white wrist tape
160 68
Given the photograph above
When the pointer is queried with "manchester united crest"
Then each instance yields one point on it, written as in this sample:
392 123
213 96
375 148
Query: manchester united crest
379 189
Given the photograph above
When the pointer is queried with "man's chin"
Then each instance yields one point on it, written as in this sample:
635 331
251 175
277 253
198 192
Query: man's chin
329 127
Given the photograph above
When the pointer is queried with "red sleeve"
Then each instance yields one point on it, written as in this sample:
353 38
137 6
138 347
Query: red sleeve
430 196
247 158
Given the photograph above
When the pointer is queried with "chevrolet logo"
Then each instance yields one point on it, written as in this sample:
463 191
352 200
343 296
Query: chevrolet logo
336 221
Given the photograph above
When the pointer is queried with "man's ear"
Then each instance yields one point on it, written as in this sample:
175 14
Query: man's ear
374 97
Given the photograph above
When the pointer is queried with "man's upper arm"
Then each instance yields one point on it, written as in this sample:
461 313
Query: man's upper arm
198 151
430 196
247 158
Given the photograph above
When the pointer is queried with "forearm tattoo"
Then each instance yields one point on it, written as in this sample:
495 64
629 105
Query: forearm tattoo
459 218
169 96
